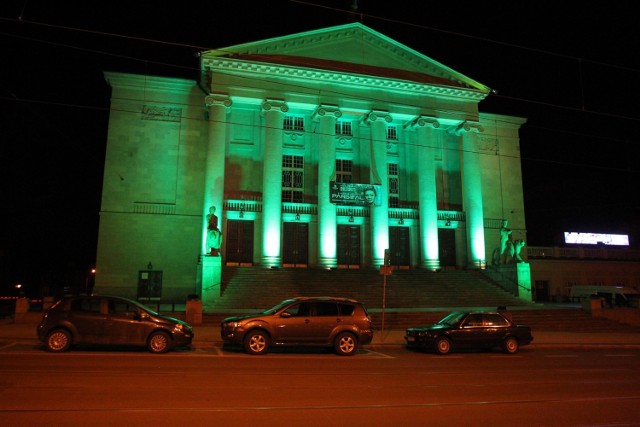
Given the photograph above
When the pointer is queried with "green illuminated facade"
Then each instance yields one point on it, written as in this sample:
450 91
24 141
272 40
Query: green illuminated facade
266 130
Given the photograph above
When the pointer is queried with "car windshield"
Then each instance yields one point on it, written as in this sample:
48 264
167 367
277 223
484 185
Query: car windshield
277 307
451 319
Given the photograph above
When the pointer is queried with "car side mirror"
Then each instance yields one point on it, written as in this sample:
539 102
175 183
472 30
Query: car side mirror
285 315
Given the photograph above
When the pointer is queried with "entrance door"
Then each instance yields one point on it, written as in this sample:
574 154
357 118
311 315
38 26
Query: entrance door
295 246
348 246
239 243
541 291
399 246
447 247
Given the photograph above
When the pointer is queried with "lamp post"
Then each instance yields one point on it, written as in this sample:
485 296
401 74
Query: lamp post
91 273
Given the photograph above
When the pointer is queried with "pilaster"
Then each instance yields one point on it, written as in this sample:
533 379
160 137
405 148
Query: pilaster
430 250
379 175
326 115
273 111
472 192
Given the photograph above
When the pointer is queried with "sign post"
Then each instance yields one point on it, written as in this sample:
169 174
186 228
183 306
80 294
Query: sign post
385 270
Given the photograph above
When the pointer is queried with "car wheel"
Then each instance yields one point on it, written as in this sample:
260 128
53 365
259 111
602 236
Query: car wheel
345 344
511 345
159 342
443 345
256 342
58 340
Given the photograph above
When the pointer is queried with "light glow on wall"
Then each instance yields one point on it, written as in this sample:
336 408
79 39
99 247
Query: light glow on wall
574 238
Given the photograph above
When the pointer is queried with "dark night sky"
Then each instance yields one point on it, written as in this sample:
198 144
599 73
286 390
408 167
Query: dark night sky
573 73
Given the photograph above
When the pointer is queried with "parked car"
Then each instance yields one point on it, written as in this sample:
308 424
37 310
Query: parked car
110 320
341 323
470 330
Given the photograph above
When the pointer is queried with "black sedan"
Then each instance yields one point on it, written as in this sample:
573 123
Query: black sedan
470 330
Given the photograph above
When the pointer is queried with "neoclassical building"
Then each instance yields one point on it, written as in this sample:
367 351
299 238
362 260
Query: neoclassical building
284 138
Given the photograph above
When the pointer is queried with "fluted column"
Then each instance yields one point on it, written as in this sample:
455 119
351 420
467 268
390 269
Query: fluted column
327 221
379 175
273 111
430 250
472 193
218 106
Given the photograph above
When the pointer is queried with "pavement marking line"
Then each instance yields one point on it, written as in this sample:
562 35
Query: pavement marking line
13 344
561 355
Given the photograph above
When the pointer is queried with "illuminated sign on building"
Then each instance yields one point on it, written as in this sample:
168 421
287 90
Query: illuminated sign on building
596 238
350 194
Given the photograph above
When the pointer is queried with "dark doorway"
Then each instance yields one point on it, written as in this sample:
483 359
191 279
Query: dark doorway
541 291
348 246
447 247
399 247
239 243
295 246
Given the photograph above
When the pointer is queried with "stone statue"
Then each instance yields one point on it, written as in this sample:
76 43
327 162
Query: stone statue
517 247
214 235
505 242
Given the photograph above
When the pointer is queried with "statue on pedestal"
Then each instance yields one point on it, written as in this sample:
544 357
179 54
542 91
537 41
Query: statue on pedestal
506 246
214 235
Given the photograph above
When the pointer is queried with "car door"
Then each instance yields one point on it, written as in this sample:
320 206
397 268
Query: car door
494 329
125 323
293 324
470 332
88 319
325 320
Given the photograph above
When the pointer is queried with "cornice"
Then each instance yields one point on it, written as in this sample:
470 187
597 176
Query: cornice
261 70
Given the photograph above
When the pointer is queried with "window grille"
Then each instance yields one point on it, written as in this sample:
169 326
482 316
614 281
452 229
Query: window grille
292 178
343 170
343 128
292 123
394 185
392 133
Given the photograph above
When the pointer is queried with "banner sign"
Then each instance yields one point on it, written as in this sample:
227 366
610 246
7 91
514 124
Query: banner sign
350 194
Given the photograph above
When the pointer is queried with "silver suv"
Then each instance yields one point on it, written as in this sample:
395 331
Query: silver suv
341 323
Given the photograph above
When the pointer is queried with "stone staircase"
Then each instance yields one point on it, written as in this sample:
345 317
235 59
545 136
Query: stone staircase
258 288
413 297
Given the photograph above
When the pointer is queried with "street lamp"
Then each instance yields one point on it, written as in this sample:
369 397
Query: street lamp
89 276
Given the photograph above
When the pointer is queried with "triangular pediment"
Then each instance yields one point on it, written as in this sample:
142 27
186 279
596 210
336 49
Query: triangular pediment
350 48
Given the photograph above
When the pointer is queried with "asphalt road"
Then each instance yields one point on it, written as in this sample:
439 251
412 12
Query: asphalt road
377 387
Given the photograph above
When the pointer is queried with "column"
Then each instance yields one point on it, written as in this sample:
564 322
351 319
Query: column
273 111
472 193
379 215
430 250
218 106
327 223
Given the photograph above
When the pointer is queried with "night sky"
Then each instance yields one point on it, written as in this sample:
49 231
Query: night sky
573 73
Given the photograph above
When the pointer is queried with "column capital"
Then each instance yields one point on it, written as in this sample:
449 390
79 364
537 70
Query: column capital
275 105
467 127
327 111
424 121
217 99
378 116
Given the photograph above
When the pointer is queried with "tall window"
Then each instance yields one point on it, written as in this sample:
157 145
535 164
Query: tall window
292 178
343 170
293 123
392 133
343 128
394 187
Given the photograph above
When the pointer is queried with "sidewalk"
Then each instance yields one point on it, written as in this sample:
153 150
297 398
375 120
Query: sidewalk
209 334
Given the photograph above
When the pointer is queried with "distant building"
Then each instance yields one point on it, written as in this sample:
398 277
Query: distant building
272 134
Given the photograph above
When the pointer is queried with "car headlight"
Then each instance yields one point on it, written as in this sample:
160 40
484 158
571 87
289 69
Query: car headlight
179 327
233 325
